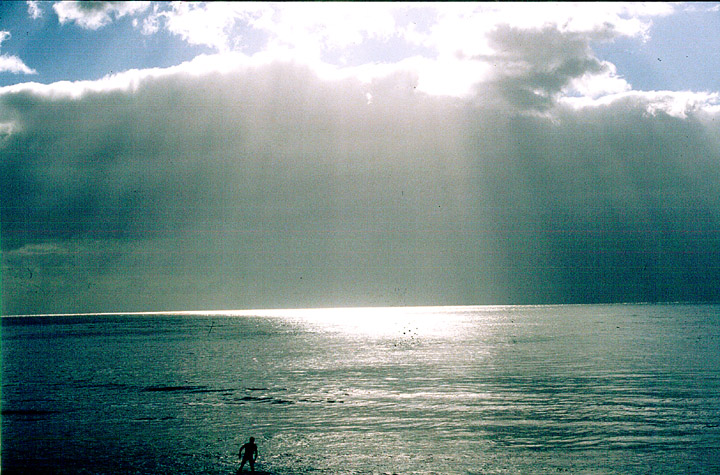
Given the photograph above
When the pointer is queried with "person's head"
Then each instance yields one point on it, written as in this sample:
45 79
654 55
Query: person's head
252 439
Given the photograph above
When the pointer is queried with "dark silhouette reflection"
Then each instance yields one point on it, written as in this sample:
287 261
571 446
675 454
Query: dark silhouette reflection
248 453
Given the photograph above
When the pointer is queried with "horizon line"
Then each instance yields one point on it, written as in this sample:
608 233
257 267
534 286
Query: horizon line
244 312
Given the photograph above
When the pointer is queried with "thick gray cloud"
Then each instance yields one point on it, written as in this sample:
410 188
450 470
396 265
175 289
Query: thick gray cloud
267 186
533 66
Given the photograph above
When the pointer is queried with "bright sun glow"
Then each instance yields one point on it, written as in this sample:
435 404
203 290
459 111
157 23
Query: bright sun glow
376 322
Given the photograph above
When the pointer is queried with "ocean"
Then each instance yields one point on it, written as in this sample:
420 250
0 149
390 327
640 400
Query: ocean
591 389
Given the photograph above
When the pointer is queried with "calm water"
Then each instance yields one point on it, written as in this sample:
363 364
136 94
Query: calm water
620 389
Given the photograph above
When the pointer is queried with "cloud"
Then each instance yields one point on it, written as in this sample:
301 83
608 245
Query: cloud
34 9
11 63
462 29
219 25
94 15
300 28
534 66
236 182
699 7
501 162
604 82
453 49
313 33
680 104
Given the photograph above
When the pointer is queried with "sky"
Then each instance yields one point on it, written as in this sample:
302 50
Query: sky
160 156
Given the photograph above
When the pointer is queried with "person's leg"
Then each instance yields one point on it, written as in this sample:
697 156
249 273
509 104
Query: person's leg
252 465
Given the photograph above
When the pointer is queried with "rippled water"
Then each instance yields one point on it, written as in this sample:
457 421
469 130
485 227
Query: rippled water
619 389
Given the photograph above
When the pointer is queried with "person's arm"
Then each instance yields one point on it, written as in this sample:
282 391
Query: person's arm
241 452
255 453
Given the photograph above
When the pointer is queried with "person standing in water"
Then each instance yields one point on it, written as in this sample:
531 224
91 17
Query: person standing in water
248 453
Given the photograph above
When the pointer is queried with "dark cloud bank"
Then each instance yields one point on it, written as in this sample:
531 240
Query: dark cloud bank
269 187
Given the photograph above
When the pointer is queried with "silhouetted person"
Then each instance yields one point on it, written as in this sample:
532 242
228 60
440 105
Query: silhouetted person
248 453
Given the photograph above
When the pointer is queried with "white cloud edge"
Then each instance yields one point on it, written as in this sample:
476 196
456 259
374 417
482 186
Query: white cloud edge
445 75
34 9
309 27
11 63
97 16
674 103
678 104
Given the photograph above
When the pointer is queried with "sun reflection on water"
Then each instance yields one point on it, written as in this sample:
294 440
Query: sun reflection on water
380 322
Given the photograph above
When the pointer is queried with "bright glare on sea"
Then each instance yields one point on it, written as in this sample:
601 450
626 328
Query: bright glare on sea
616 389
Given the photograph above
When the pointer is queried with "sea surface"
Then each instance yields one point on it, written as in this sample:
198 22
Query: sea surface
616 389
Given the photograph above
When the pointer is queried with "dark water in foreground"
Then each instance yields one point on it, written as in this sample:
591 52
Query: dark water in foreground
620 389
